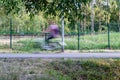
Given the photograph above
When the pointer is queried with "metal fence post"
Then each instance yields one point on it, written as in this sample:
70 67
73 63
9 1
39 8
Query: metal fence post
78 37
11 33
62 23
62 33
108 35
108 28
77 8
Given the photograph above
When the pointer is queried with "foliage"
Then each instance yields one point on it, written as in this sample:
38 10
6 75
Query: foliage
22 25
30 16
11 7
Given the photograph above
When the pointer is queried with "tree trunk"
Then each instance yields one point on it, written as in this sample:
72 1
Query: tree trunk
85 23
92 17
82 26
119 21
100 27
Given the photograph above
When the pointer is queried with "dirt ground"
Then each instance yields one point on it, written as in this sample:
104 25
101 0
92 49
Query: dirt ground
5 40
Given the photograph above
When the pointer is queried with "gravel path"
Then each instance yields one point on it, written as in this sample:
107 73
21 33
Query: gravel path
60 55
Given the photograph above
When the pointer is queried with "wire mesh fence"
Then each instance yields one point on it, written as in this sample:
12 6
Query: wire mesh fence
97 27
84 40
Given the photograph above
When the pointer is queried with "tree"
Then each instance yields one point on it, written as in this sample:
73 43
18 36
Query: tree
100 16
11 6
118 12
34 6
117 17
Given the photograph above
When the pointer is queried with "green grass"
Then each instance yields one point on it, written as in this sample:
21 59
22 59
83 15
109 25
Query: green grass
99 41
87 42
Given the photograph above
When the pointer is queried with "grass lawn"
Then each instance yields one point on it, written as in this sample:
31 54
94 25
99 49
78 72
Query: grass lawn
96 42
